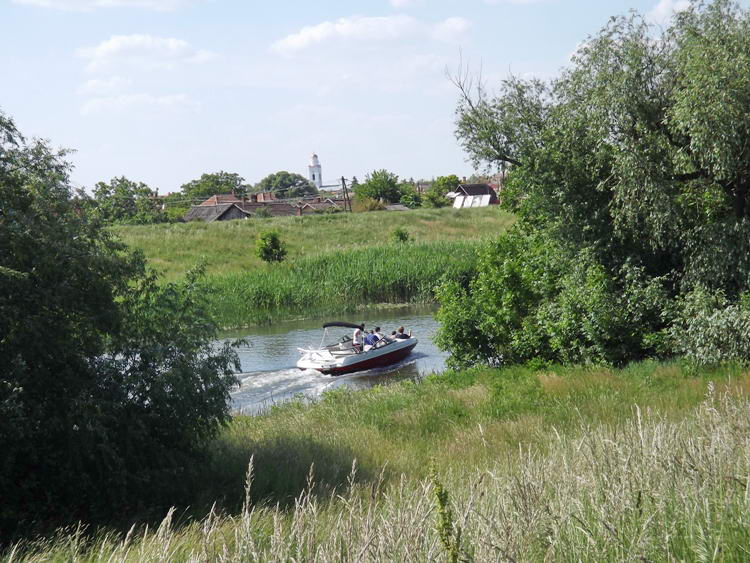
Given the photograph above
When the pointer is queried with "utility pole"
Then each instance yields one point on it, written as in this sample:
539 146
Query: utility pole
347 199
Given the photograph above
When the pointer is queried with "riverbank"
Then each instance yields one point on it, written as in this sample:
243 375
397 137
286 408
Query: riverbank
650 462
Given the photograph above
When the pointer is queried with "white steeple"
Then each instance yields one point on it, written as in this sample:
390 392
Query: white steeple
315 172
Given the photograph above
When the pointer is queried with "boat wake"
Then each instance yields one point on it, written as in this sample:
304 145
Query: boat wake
259 391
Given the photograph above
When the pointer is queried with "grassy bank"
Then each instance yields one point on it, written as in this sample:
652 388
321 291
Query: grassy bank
339 282
558 465
228 246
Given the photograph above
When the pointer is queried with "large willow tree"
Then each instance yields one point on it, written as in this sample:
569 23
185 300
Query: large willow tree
630 173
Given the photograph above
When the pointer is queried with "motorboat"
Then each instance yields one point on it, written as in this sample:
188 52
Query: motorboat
343 357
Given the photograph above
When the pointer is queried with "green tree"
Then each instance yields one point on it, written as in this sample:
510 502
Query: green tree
380 185
124 201
410 197
634 158
286 184
435 196
269 247
110 383
213 184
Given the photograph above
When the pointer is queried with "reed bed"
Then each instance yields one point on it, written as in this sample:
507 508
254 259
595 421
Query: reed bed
648 489
339 282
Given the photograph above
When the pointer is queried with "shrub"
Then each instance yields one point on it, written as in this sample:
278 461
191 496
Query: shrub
269 247
362 204
710 329
400 234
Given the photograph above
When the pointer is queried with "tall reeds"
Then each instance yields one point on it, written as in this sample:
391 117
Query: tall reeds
339 282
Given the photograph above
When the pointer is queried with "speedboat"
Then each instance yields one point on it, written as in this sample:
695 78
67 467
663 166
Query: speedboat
342 357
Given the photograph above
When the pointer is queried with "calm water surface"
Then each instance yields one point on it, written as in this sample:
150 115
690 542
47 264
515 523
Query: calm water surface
270 376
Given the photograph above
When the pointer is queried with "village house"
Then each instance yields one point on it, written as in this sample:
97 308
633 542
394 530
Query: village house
227 207
473 195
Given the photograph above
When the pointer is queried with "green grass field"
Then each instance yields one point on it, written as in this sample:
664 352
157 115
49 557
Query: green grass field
650 462
228 247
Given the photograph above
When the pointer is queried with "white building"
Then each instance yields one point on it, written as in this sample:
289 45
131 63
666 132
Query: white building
315 172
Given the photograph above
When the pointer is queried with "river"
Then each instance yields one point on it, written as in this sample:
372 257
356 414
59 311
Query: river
269 375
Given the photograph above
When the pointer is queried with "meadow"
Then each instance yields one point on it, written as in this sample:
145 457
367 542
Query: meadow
227 247
648 462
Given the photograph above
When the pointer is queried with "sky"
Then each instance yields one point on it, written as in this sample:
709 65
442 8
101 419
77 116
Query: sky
162 91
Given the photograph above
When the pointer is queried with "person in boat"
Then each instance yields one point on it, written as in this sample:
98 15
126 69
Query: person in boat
381 339
371 339
400 334
357 338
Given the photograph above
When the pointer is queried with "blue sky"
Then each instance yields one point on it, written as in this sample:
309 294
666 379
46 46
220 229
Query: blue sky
162 91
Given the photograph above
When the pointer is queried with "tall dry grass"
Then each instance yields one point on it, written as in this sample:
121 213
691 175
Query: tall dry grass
649 489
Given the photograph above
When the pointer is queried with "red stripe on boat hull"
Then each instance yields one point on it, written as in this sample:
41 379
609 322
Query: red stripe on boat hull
379 361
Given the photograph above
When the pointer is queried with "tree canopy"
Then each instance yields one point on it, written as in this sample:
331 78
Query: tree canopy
379 185
435 196
109 382
286 184
632 164
213 184
124 201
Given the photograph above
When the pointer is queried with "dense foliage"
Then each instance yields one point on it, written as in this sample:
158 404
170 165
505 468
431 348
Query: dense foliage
269 247
435 196
212 184
125 201
109 383
380 185
630 173
286 184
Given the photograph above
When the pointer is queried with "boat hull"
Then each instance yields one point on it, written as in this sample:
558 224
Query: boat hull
365 361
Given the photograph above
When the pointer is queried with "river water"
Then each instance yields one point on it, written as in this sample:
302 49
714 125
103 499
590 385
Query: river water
270 376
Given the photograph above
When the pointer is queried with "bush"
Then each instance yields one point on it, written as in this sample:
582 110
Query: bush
710 329
400 234
533 299
269 247
367 204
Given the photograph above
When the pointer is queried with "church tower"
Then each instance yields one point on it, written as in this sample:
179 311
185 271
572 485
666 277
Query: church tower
315 171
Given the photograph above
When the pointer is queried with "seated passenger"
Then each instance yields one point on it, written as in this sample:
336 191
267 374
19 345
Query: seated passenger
400 334
380 338
371 339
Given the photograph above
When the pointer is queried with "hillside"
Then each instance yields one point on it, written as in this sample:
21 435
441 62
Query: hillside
228 247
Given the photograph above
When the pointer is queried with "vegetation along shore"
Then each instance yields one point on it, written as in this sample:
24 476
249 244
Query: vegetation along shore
483 464
598 332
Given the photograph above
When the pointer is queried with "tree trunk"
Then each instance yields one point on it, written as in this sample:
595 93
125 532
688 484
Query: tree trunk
740 199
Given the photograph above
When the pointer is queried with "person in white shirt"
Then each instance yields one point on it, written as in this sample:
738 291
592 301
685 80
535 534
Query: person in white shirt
357 338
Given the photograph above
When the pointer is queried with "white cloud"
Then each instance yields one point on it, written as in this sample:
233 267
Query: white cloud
379 28
663 11
104 86
130 102
144 52
450 29
87 5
